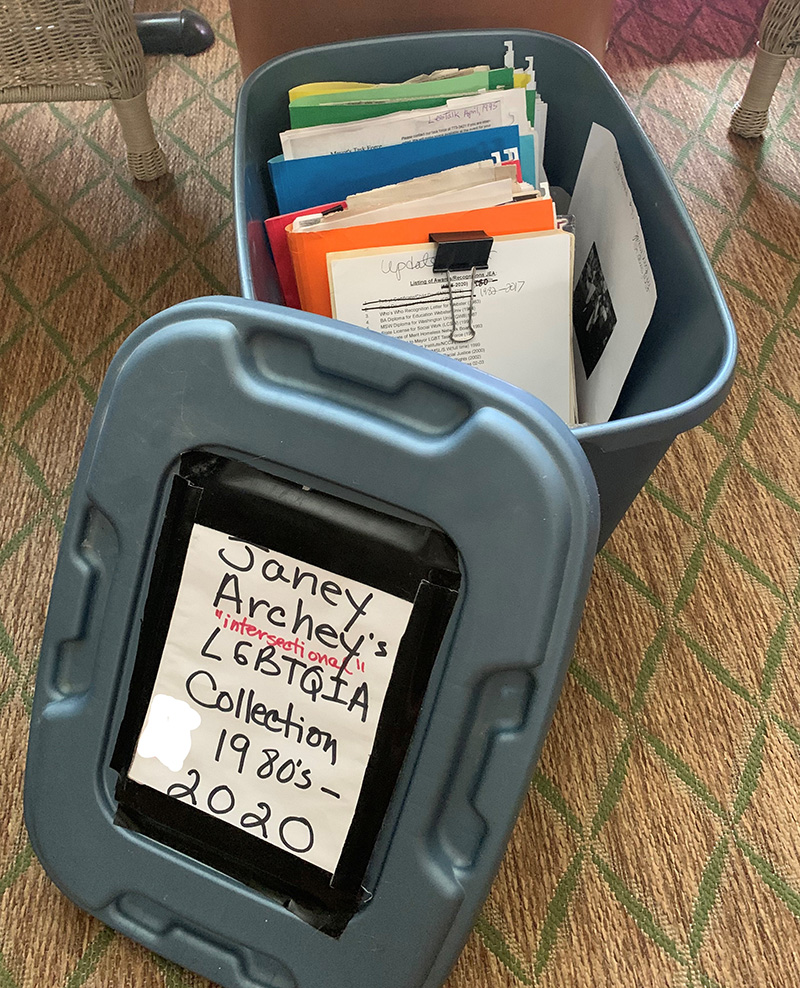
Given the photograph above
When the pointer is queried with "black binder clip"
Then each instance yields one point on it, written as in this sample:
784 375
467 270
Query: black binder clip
463 251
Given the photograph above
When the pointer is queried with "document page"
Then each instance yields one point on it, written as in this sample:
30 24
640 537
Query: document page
511 319
615 293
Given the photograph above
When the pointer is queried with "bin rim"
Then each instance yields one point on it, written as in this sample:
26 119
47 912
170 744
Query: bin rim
666 423
414 36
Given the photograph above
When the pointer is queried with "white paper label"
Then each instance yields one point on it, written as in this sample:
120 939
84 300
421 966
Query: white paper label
268 694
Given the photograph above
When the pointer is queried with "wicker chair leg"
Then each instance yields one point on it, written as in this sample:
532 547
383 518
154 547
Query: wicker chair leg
145 157
751 113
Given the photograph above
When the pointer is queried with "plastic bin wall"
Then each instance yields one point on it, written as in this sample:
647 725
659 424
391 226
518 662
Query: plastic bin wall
684 367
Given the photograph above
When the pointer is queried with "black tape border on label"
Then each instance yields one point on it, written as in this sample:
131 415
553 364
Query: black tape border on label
390 554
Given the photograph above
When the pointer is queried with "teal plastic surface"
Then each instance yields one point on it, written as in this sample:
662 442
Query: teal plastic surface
684 368
378 422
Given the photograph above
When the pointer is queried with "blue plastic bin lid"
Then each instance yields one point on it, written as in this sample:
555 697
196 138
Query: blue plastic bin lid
377 423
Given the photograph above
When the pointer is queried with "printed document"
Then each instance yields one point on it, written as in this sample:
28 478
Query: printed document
513 321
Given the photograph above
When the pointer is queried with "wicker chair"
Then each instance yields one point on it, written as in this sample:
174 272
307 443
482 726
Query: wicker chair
80 50
779 40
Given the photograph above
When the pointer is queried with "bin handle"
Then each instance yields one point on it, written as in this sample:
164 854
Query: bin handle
355 376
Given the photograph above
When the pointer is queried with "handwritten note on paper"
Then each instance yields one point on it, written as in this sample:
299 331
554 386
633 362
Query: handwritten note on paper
268 695
520 308
500 108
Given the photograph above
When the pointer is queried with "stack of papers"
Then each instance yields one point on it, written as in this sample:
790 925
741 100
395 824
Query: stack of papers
420 210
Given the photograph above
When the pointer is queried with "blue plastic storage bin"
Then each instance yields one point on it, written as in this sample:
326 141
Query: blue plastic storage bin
324 412
684 367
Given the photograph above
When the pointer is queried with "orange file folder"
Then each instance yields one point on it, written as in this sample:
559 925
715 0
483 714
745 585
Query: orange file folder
309 248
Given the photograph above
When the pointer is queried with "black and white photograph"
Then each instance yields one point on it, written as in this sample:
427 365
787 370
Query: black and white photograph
592 312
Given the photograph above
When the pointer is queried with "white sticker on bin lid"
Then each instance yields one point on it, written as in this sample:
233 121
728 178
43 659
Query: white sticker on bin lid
268 694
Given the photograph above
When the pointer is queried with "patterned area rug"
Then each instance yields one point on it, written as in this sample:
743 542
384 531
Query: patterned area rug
660 843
